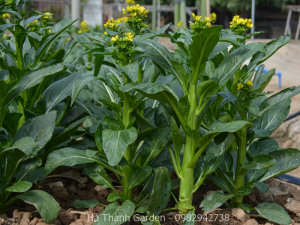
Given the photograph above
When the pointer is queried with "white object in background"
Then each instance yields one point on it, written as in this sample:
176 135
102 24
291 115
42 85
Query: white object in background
253 17
93 12
76 12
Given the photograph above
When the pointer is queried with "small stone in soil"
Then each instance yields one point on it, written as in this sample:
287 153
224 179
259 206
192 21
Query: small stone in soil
251 222
239 214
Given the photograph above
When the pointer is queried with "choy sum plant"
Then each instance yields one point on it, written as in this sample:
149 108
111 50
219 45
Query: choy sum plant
30 60
222 113
129 130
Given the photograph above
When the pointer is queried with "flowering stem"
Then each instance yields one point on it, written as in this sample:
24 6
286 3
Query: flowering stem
240 177
127 170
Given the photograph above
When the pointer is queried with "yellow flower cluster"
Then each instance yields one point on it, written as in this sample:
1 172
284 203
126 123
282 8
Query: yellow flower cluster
33 23
111 25
250 83
136 11
136 15
6 16
128 37
240 85
84 27
200 23
213 17
48 15
123 44
121 20
239 25
180 24
130 2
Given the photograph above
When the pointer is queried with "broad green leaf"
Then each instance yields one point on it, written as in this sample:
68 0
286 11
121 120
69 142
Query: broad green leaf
189 218
39 128
104 94
218 128
115 143
274 117
161 191
202 46
253 175
68 157
98 174
222 183
11 120
274 213
132 71
32 79
245 190
162 57
44 203
153 91
138 176
154 143
78 85
233 62
59 28
61 89
181 75
115 214
176 136
207 89
283 95
269 50
286 160
213 164
184 106
20 186
27 166
260 162
262 187
98 138
84 204
218 49
26 145
112 123
112 197
65 135
263 146
157 53
214 201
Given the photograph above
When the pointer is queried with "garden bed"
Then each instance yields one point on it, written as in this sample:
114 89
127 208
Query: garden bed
66 191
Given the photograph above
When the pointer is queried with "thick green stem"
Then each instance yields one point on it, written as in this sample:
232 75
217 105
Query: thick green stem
187 173
127 170
20 65
240 177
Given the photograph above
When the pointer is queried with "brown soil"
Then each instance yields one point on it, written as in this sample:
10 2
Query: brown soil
66 191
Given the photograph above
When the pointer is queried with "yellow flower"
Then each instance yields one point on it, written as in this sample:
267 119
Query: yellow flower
180 24
130 2
115 38
105 33
249 83
4 35
213 16
48 15
33 23
240 25
240 86
49 31
6 15
80 31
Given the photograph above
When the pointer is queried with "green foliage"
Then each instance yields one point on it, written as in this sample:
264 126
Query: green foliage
121 102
